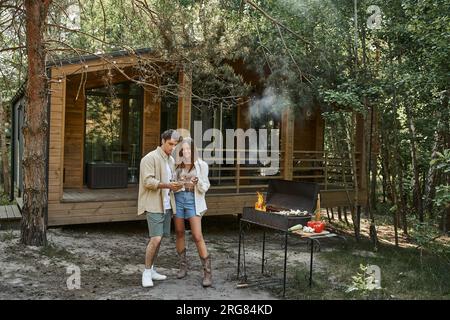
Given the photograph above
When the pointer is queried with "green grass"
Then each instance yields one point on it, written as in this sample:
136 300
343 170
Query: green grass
4 198
405 274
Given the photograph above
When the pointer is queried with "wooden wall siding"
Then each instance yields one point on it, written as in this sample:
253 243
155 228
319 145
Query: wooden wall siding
56 142
331 199
184 101
320 132
74 135
243 115
92 212
287 143
151 122
308 136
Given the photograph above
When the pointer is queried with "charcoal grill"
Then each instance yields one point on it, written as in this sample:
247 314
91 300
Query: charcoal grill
282 195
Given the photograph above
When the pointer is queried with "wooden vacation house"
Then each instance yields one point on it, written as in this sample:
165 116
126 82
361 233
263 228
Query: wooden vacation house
102 123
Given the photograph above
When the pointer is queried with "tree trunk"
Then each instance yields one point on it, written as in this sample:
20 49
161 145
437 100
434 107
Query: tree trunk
384 182
398 167
402 201
373 168
390 184
432 175
328 214
372 179
344 209
4 149
35 129
352 155
343 162
446 220
417 189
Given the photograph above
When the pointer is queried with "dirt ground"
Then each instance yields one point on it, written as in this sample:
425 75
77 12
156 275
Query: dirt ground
110 258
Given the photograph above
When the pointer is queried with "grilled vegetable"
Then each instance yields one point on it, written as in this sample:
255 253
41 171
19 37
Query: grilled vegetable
296 227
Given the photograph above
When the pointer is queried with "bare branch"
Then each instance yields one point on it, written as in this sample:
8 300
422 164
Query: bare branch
80 32
258 8
12 48
302 75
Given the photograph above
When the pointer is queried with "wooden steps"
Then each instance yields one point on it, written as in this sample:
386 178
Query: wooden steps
10 217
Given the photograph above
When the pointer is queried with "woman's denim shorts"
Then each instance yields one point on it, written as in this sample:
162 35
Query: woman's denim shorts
185 203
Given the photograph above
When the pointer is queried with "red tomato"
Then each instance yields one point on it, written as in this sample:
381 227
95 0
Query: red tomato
318 227
311 224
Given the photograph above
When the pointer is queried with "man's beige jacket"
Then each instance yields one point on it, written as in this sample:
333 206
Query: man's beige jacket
152 172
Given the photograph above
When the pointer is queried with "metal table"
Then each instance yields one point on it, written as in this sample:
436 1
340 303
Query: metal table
312 241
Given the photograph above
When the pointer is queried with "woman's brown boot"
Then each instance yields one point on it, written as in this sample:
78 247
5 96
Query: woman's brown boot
183 264
207 277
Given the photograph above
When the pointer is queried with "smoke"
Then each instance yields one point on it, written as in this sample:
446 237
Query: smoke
299 6
303 7
270 102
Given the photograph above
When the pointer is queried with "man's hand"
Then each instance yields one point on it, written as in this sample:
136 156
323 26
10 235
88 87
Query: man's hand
174 186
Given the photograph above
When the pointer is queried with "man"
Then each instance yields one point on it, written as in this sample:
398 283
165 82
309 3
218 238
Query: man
156 199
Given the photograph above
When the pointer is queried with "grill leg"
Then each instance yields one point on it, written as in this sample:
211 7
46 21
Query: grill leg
285 263
263 249
311 262
239 250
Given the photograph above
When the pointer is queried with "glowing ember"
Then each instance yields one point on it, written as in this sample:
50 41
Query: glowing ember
260 205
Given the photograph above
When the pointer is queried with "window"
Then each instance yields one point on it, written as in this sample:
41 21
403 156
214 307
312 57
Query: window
113 126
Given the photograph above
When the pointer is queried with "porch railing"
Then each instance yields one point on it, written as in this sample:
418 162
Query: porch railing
331 172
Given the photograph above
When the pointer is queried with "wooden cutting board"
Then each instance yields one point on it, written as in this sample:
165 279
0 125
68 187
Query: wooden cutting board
308 234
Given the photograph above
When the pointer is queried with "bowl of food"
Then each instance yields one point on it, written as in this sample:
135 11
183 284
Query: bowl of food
318 226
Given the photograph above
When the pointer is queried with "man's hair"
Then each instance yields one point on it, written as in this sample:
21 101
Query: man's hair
170 134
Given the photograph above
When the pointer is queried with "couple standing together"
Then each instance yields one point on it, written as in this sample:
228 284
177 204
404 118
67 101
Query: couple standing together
173 187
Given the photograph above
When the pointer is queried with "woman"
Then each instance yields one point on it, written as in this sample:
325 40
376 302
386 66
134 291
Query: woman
192 172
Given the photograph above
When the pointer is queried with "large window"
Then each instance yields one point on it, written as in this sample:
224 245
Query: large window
113 126
238 177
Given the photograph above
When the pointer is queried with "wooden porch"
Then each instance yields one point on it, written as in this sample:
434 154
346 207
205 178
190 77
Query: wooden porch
10 216
232 188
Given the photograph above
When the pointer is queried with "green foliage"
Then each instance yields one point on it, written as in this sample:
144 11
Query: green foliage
347 98
423 232
442 162
363 282
4 198
425 235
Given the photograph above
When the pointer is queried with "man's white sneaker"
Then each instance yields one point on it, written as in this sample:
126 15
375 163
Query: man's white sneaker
157 276
147 278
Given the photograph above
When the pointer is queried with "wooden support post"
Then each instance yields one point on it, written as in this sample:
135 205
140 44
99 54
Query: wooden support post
184 101
326 170
151 121
243 122
287 142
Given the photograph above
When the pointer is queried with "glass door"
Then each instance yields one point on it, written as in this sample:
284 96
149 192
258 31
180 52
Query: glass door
113 126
